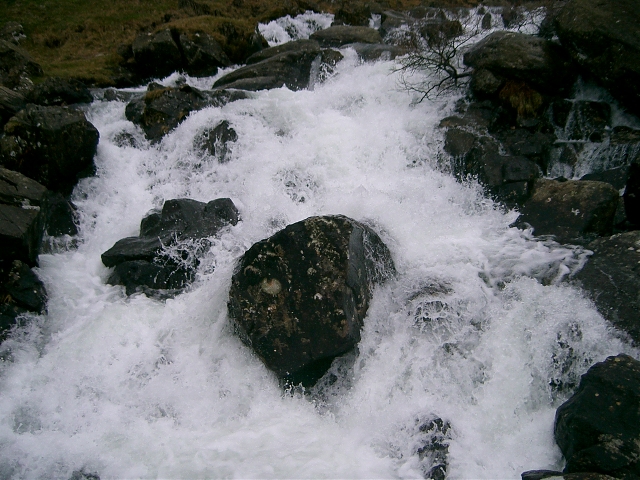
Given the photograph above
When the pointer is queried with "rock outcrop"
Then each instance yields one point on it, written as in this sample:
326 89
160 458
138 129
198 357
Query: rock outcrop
339 35
145 263
604 38
52 145
21 291
60 92
598 428
17 67
299 298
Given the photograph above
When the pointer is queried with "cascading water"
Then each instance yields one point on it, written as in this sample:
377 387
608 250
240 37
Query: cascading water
464 356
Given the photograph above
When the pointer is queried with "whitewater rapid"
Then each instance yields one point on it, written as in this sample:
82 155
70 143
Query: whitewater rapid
478 329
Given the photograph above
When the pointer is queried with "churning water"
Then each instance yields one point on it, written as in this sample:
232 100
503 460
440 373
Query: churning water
464 356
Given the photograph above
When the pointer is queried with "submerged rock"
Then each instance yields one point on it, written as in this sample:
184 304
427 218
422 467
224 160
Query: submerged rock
299 298
144 262
598 428
215 141
53 145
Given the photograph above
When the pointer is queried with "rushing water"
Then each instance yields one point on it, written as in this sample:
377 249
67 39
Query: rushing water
471 348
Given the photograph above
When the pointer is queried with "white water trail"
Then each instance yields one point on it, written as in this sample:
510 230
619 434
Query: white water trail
476 330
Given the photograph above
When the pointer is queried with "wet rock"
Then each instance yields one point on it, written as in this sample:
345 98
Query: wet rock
540 63
440 31
371 52
485 83
391 20
162 109
597 429
53 145
21 231
572 211
535 146
300 46
631 195
603 37
10 103
16 67
616 177
299 297
586 120
434 451
542 474
356 14
291 68
21 291
156 54
510 178
203 55
215 142
59 91
612 278
340 35
486 21
145 262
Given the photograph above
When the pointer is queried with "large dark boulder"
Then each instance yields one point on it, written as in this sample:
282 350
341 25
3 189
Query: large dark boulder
371 52
156 54
203 55
598 428
27 210
540 63
339 35
612 278
21 291
215 141
161 109
144 262
299 46
604 38
572 211
16 67
291 67
53 145
59 91
299 298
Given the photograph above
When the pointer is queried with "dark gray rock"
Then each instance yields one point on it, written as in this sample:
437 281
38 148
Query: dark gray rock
156 54
572 211
340 35
59 91
486 21
542 474
300 46
53 145
616 177
21 231
16 67
538 62
356 14
604 38
299 297
203 55
391 20
535 146
485 83
215 142
10 103
21 291
142 262
291 68
597 429
12 32
612 278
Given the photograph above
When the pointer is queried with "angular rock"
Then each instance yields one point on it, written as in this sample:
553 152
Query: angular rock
142 263
21 291
156 54
391 20
10 103
353 14
538 62
572 211
21 231
299 298
59 91
203 55
612 278
485 83
216 141
16 67
300 46
535 146
53 145
12 32
616 177
631 195
291 68
340 35
598 428
552 474
604 38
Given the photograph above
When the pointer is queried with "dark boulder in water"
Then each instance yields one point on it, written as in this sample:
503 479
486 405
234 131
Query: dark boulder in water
598 428
339 35
60 92
611 276
215 141
572 211
299 298
53 145
143 262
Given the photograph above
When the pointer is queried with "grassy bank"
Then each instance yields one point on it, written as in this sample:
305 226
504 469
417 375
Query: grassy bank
80 38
